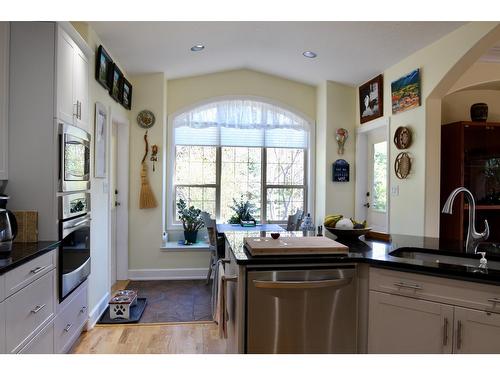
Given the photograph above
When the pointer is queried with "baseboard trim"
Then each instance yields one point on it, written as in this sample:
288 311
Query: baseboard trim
168 274
97 311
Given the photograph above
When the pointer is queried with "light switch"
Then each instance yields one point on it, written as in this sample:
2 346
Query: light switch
395 190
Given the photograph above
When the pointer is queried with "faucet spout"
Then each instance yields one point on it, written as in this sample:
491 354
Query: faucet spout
473 237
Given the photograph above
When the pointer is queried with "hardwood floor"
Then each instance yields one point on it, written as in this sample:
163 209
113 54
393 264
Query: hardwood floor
179 338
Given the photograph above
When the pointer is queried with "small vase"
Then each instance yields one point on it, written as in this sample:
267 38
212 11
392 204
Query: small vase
190 236
479 112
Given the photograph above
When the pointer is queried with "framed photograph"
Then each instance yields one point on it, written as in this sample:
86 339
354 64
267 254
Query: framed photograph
405 92
103 68
126 96
100 138
116 83
371 99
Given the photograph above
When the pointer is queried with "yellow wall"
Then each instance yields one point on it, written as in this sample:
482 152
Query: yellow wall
456 106
479 73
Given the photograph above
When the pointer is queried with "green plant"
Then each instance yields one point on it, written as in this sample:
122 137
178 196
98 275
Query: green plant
190 216
243 211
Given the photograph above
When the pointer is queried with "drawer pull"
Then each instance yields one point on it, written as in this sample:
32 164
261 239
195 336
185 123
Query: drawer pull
459 335
445 332
410 286
494 300
68 327
82 310
37 308
36 270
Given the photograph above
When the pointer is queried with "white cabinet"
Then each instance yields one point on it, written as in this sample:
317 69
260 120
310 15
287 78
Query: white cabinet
400 325
2 327
72 77
43 343
476 332
4 104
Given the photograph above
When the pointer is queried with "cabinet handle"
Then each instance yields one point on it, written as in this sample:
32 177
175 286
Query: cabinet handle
459 335
80 110
445 332
82 310
37 269
224 312
37 308
75 109
68 327
410 286
494 300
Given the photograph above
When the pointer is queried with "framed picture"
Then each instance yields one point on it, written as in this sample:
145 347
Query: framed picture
126 95
371 99
116 83
405 92
103 68
100 138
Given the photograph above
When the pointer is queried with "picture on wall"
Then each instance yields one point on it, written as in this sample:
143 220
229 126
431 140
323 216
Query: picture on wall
405 92
101 121
126 94
371 99
103 69
116 82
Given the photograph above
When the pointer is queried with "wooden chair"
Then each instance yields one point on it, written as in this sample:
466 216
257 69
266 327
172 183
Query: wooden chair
294 220
212 239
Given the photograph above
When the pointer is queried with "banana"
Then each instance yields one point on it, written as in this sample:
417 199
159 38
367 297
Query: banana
331 220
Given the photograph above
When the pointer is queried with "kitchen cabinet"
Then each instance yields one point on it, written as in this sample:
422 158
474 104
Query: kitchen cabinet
476 332
400 325
72 75
2 327
4 104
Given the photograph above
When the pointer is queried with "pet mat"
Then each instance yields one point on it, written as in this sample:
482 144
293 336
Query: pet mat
135 314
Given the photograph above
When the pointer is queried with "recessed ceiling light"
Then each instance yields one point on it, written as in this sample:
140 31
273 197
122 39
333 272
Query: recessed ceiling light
309 54
197 47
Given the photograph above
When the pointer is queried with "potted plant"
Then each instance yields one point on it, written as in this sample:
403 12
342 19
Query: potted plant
243 211
191 221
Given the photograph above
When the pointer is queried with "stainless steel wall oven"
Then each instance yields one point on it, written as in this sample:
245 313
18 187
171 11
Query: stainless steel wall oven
74 158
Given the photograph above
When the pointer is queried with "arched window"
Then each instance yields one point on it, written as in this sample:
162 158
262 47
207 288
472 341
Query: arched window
230 149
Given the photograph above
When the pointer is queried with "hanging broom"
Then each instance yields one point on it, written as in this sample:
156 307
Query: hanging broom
147 197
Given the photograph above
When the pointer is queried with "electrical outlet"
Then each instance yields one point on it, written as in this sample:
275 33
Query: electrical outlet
395 190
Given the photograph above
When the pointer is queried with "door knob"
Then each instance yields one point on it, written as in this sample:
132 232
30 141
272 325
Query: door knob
367 205
117 204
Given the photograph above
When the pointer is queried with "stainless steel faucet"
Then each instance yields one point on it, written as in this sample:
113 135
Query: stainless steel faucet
473 237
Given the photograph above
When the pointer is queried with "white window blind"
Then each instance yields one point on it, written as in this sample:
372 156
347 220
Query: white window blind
241 123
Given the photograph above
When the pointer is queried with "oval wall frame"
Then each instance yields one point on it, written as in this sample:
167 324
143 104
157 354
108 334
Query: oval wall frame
403 137
402 165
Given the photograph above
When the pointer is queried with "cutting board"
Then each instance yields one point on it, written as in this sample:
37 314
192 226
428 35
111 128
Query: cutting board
294 246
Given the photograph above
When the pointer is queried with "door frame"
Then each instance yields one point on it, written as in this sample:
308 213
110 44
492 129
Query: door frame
362 168
122 211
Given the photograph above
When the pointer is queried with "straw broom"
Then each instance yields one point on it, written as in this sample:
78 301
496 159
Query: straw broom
147 197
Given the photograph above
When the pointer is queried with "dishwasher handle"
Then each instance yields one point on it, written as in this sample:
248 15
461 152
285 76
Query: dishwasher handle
334 283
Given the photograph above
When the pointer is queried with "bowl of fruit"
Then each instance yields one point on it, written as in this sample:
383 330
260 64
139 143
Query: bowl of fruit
344 228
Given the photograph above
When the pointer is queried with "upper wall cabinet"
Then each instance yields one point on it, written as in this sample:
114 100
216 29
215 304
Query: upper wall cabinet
72 82
4 104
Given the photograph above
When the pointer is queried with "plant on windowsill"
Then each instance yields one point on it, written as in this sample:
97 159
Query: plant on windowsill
191 221
243 211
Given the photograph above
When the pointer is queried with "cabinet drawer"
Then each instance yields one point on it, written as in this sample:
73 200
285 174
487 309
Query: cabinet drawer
43 343
70 320
23 275
2 327
28 310
438 289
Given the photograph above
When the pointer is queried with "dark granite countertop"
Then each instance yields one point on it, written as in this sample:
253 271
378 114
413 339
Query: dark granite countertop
375 253
22 252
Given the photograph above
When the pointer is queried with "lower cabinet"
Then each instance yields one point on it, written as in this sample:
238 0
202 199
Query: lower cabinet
476 332
2 327
43 343
406 325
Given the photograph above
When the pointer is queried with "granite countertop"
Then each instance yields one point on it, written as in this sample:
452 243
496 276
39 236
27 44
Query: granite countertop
22 252
375 253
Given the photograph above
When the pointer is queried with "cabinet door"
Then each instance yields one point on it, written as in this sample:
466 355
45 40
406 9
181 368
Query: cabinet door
2 327
407 325
476 332
4 91
81 87
66 107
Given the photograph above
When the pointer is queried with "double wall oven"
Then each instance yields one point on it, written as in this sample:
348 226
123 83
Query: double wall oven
74 208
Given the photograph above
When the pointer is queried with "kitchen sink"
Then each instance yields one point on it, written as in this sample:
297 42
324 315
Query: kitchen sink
445 257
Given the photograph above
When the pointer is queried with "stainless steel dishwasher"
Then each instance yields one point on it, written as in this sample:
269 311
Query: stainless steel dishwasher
302 310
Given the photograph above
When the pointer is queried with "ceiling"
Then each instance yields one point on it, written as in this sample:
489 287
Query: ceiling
348 52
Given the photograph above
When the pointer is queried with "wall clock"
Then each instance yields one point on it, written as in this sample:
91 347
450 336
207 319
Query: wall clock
146 119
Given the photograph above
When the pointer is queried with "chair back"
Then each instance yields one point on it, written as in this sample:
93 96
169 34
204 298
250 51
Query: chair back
294 220
211 228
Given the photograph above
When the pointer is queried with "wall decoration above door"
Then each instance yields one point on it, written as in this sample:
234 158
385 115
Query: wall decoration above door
371 100
126 94
116 83
103 68
405 92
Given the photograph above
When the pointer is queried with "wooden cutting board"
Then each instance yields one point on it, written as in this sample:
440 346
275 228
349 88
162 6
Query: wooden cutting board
294 246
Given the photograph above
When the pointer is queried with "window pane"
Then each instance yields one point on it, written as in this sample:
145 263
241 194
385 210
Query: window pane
240 175
380 176
285 166
195 165
283 202
199 197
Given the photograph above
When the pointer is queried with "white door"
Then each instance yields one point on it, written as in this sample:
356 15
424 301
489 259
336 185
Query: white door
114 200
377 177
66 104
403 325
476 332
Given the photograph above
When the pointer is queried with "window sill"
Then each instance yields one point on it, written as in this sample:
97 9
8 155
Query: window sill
176 247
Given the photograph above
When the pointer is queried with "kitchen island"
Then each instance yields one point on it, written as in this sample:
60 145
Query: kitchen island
390 291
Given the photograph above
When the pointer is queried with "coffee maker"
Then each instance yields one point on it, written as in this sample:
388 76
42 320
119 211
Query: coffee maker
8 222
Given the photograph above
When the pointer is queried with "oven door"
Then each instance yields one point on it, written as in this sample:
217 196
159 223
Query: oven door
74 254
74 158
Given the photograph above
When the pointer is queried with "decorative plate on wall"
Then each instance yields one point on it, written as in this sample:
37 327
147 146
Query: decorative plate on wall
402 165
402 138
146 119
